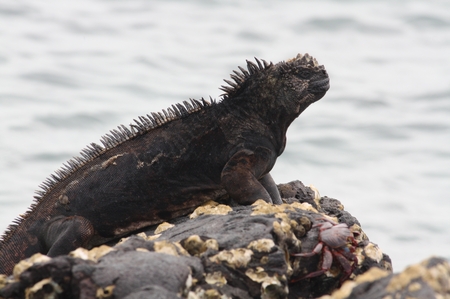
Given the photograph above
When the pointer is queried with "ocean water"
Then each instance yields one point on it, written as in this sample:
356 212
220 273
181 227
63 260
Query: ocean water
379 141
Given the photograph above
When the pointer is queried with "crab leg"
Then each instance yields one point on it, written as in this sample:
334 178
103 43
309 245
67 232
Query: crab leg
327 260
346 266
316 250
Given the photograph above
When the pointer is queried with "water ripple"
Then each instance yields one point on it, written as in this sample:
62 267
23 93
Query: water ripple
424 22
344 23
77 120
51 79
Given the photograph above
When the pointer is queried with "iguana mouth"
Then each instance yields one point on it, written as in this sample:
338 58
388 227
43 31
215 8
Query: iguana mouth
319 86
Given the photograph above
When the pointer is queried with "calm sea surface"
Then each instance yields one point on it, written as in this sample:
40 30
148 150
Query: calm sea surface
379 141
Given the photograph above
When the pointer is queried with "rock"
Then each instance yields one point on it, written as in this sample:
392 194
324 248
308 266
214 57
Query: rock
428 279
219 251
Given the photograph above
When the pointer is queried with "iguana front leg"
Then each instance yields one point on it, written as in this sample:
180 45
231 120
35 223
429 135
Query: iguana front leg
64 234
244 179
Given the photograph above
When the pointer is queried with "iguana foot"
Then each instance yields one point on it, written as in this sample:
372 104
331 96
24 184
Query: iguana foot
64 234
269 184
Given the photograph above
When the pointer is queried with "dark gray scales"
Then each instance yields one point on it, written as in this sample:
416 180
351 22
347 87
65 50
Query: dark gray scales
166 164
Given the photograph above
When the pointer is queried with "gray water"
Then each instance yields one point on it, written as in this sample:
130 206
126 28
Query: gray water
379 141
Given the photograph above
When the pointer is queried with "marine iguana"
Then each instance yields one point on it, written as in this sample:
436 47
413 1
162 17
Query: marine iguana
166 164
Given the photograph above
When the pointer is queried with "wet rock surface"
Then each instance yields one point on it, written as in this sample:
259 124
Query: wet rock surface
220 251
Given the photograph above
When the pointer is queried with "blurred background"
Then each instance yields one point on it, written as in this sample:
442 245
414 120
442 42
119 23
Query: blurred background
379 141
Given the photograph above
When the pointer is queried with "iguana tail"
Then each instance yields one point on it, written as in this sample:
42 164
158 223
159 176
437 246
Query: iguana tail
17 244
54 237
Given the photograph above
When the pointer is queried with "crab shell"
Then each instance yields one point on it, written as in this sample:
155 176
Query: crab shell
334 236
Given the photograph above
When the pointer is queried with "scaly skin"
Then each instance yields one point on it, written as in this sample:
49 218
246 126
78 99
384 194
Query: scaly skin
166 165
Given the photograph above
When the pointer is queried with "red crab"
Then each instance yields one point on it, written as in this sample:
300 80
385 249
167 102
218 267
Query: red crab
335 241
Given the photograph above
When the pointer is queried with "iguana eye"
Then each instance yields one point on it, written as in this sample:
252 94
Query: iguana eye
304 74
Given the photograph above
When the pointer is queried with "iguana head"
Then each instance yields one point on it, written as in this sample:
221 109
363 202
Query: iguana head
304 78
287 87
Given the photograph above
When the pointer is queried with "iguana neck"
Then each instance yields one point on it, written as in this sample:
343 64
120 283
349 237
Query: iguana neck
270 123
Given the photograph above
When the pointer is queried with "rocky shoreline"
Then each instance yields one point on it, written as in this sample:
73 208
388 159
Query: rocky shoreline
224 250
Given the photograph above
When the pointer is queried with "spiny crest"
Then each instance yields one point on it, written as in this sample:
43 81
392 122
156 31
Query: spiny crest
300 60
117 136
304 60
244 74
